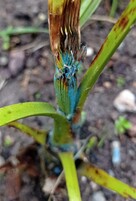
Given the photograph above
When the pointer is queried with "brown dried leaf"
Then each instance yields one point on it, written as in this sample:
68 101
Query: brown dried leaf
64 25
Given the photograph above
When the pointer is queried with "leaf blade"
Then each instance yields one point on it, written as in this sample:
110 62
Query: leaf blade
38 135
102 178
62 131
21 110
87 9
68 163
117 34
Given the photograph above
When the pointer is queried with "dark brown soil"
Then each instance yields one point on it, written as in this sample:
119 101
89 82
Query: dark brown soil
27 73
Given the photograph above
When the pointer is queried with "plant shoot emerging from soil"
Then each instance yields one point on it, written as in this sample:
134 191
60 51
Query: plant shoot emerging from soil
62 143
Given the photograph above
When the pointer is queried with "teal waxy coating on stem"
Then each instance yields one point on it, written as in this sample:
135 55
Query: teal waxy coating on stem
65 82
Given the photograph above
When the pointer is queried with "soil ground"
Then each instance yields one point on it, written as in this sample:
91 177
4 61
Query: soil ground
26 74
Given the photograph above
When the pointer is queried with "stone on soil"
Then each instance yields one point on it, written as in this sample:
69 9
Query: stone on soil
2 161
125 101
17 61
98 196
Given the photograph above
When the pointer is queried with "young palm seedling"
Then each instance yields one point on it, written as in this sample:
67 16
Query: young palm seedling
63 140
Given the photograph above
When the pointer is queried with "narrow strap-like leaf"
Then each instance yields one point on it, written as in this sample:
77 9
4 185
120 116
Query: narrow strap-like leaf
38 135
114 7
102 178
113 40
68 163
87 9
62 131
21 30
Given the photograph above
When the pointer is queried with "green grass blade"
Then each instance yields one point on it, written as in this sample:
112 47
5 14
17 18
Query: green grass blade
9 31
113 40
38 135
68 163
102 178
114 7
62 131
87 9
22 110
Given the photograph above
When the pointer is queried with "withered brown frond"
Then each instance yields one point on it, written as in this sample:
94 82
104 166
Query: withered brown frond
64 25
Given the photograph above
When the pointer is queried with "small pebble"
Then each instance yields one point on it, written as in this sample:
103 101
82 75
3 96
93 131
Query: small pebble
94 186
2 82
107 85
121 46
111 173
125 101
98 196
49 183
42 17
89 52
17 61
2 161
3 61
84 179
14 160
